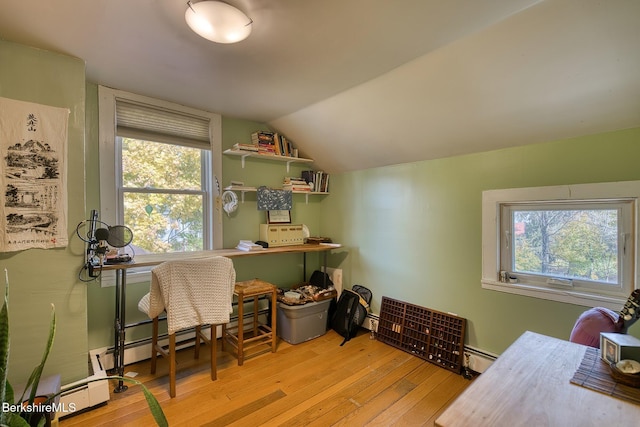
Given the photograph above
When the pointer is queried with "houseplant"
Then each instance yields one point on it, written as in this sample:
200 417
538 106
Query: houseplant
15 415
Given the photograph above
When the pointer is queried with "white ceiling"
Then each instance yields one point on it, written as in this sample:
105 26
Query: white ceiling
365 83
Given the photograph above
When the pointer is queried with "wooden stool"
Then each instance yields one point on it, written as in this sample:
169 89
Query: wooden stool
262 335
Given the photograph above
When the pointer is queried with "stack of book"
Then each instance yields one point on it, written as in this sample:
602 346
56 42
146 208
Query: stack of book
317 180
274 144
253 148
248 245
295 184
265 141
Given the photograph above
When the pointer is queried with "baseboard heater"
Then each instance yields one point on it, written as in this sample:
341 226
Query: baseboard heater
371 322
478 360
139 350
89 395
101 361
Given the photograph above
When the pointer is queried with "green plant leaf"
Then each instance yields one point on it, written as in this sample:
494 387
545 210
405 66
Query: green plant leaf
154 406
9 393
15 420
34 379
4 350
152 402
12 419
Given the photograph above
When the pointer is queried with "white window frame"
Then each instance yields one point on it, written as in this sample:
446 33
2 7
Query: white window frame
494 200
109 163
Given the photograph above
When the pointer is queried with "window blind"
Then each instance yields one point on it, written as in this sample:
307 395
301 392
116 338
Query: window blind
141 121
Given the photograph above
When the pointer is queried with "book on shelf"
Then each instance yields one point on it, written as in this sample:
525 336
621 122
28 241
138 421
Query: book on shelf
298 188
286 150
325 183
234 187
273 143
265 141
319 180
245 147
277 144
262 136
295 184
248 245
264 148
294 180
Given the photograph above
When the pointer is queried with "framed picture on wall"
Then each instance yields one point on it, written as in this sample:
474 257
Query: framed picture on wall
279 216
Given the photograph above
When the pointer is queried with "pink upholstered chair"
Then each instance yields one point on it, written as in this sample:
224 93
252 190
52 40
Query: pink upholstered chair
599 319
593 321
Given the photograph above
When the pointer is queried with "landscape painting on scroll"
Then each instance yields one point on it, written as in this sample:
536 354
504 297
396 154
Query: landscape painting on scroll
33 153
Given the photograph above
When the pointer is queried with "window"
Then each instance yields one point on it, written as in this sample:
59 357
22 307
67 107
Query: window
573 244
164 195
157 172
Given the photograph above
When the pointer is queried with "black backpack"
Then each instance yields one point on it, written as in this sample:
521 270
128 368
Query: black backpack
351 310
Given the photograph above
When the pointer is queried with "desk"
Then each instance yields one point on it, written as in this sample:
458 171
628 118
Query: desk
150 260
529 386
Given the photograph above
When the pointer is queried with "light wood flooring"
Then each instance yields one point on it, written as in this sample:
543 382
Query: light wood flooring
316 383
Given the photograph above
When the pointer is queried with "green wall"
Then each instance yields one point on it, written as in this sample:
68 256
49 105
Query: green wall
283 270
40 277
413 231
410 231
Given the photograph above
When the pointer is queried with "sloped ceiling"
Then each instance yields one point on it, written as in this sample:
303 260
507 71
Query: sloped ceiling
365 83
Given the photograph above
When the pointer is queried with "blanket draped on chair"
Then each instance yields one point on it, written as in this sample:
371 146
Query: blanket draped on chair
192 292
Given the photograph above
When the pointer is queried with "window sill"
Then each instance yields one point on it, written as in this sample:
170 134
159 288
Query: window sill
559 295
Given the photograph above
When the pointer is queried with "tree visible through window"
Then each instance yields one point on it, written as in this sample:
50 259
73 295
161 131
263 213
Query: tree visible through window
573 244
158 161
577 244
163 195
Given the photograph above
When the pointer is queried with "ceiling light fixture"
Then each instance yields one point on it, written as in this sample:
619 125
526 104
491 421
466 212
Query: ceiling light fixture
218 21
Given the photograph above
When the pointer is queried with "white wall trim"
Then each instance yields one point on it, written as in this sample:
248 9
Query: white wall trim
491 201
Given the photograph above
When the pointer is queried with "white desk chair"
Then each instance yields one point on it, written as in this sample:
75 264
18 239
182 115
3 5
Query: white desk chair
193 293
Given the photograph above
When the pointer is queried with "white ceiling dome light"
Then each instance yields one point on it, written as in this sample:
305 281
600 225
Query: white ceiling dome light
218 21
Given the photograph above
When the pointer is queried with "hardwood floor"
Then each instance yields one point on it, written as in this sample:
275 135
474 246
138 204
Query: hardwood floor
316 383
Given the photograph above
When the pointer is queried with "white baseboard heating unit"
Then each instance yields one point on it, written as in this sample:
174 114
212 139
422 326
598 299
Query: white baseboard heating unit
89 395
478 360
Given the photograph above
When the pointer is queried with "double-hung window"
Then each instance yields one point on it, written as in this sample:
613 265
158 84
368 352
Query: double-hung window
157 168
574 244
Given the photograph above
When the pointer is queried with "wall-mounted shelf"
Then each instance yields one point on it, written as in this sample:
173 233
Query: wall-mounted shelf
275 158
241 189
245 189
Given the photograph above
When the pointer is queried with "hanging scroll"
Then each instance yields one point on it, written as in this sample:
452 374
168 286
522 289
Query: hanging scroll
33 152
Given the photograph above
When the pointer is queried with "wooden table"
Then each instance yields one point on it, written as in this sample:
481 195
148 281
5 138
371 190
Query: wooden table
529 386
149 260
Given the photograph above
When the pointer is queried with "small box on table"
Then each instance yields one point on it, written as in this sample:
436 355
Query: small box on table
615 347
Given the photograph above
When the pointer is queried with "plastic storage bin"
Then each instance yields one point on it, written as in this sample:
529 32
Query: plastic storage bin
299 323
